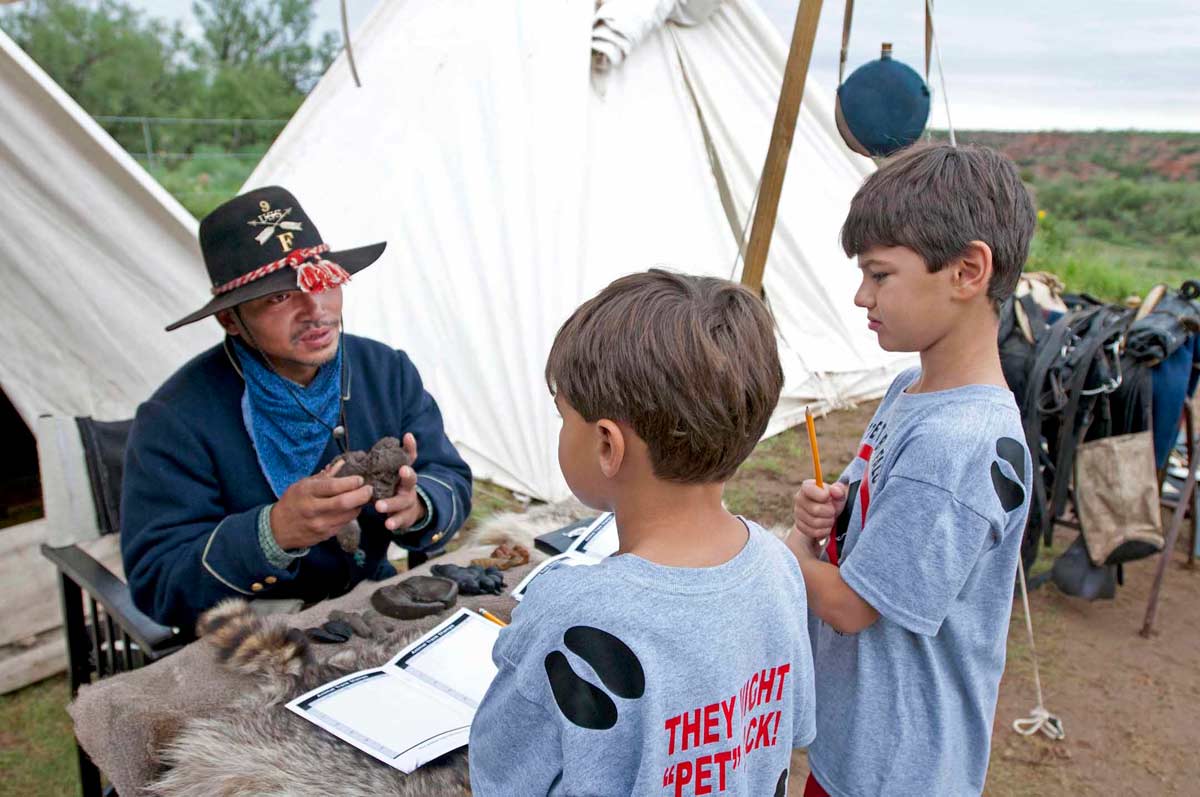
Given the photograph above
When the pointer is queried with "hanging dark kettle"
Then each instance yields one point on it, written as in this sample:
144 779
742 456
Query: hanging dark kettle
882 107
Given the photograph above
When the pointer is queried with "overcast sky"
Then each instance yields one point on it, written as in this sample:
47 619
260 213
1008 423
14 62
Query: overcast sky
1009 64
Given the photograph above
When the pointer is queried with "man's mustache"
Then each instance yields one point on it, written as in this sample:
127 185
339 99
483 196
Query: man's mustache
311 325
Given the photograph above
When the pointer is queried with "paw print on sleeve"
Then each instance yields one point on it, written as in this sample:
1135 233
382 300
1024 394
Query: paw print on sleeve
1011 493
581 702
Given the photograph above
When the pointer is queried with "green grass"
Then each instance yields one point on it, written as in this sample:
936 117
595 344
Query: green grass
1107 270
487 499
1100 278
779 454
37 748
205 182
740 499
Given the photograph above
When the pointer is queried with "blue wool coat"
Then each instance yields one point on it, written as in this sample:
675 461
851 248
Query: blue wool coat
193 488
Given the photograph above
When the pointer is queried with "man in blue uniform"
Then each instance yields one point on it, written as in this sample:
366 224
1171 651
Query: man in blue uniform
228 484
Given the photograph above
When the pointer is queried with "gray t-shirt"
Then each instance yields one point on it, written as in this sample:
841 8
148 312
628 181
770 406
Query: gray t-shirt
905 707
629 677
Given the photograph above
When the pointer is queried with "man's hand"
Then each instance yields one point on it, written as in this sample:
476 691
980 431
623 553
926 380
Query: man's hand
815 509
404 509
313 509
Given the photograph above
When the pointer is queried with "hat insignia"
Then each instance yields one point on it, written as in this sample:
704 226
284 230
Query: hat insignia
275 219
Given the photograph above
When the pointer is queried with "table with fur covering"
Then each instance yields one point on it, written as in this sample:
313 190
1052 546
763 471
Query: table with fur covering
192 725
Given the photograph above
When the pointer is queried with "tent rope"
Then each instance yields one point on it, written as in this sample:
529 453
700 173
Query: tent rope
937 51
346 41
741 231
1040 719
741 252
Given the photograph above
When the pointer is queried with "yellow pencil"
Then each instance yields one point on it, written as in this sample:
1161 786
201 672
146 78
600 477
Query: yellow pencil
812 442
492 617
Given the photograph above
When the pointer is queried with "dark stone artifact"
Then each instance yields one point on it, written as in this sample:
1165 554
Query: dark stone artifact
355 621
324 636
415 597
339 628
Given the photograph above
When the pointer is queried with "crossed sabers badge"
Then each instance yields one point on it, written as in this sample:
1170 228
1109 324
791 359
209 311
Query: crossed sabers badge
271 220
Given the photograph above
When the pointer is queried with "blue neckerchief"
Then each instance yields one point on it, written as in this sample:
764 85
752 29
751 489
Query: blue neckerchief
287 440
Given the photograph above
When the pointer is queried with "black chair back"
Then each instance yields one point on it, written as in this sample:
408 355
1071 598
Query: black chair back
104 452
105 633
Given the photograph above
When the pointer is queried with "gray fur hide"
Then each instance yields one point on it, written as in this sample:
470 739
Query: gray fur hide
252 746
256 747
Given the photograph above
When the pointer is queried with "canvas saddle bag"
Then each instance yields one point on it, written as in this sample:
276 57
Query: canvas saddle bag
1116 492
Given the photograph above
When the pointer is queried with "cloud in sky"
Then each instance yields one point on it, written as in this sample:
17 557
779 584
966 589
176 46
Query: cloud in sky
1009 64
1033 64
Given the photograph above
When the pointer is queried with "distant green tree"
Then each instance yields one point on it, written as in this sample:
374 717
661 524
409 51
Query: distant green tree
261 36
254 59
108 56
259 61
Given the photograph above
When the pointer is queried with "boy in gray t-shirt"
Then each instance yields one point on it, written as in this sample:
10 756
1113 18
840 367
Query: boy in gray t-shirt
910 597
681 665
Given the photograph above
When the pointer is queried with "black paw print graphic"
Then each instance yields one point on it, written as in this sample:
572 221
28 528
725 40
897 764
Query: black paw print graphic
1011 493
581 702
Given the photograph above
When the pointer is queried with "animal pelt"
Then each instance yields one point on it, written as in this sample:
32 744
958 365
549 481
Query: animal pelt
256 747
520 528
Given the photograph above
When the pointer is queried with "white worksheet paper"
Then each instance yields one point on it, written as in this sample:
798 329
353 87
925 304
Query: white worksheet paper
420 704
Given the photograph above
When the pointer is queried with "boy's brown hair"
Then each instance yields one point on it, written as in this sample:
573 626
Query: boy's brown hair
935 199
689 362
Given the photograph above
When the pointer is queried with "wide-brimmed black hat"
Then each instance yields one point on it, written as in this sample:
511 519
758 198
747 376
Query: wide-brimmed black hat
263 242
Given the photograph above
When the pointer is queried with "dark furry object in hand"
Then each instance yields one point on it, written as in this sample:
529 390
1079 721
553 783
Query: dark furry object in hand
472 580
379 467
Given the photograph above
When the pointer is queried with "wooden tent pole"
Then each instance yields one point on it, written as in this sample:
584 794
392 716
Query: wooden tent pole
775 168
1189 425
1185 498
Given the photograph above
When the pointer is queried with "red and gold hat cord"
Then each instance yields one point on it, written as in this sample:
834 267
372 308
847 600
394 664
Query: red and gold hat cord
314 273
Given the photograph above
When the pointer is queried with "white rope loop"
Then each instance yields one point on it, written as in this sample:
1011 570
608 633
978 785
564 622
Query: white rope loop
1039 719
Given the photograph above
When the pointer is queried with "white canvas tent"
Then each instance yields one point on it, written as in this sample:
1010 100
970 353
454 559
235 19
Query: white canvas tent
96 258
510 186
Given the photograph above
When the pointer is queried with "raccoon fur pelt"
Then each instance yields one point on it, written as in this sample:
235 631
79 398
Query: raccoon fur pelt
257 748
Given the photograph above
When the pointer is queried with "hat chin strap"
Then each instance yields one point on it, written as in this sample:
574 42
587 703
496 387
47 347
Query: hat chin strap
339 432
266 358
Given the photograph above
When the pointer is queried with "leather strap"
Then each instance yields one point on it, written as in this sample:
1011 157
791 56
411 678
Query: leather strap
928 36
846 19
